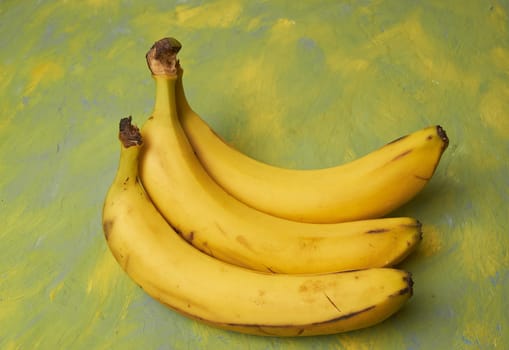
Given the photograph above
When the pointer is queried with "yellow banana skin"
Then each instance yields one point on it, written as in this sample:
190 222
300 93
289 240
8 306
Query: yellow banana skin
223 227
368 187
230 297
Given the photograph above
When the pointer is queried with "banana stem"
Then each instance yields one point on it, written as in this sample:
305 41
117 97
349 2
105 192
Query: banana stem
130 145
129 134
162 57
183 106
164 104
162 62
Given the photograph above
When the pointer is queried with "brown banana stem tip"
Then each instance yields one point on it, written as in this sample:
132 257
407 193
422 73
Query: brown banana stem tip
441 133
129 134
162 57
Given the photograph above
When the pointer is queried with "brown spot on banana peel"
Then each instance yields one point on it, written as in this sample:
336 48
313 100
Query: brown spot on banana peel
378 230
264 331
220 228
176 229
125 262
243 241
401 155
423 178
190 237
205 249
107 226
270 270
332 302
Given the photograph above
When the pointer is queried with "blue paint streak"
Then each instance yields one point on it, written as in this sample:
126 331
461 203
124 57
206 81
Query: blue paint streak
466 340
307 43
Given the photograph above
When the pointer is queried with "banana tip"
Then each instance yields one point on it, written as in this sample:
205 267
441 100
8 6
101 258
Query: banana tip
129 134
443 136
410 283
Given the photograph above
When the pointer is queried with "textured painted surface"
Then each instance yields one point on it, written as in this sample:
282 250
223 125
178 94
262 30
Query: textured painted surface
302 85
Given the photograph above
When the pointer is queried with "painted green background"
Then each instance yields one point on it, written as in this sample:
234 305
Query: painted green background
300 84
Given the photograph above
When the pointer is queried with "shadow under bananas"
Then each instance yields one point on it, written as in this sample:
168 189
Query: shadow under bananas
438 206
434 207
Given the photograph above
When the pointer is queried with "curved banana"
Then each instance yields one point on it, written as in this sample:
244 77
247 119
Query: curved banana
226 296
369 187
220 225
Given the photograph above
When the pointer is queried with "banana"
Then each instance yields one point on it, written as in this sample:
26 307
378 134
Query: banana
368 187
230 297
223 227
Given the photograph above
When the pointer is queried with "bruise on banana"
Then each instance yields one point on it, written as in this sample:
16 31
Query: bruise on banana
190 237
401 155
107 228
378 230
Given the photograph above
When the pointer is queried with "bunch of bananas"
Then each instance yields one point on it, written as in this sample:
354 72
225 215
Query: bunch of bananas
241 245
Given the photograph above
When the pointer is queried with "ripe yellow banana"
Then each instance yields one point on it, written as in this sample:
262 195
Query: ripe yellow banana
223 227
230 297
368 187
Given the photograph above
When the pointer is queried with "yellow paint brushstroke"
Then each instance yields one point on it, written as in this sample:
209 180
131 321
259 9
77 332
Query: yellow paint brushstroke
500 17
476 241
154 22
104 276
500 58
409 29
119 47
350 341
42 73
13 345
477 330
253 24
427 57
283 32
219 14
259 102
250 71
284 23
6 77
43 15
494 107
100 3
339 61
431 242
53 293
